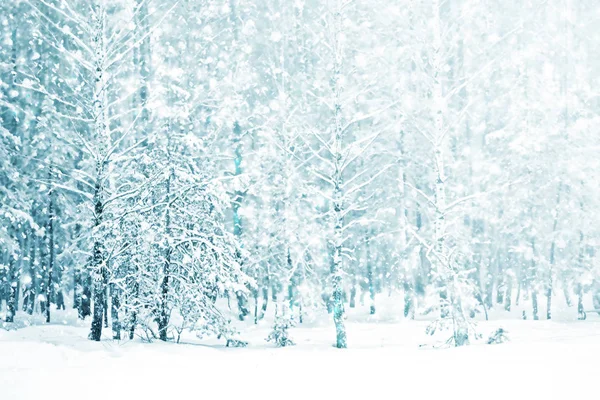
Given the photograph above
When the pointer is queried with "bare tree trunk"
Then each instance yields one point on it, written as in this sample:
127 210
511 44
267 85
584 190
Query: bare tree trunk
265 296
338 218
29 292
115 304
580 310
50 284
534 300
98 271
508 294
439 106
370 277
552 256
11 304
163 318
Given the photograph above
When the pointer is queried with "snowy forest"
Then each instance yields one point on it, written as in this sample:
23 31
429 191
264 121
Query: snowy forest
173 167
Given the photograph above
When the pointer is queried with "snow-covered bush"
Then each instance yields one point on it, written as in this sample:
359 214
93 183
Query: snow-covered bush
279 334
498 337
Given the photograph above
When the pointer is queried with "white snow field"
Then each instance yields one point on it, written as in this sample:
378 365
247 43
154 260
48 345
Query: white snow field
386 359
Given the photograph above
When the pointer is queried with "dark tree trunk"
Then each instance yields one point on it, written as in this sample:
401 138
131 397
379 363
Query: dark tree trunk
50 282
60 300
115 304
11 306
98 269
534 304
133 318
370 278
105 307
98 294
163 316
242 303
292 284
29 292
265 296
86 296
77 291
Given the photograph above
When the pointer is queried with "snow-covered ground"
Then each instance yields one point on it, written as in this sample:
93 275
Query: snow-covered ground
385 360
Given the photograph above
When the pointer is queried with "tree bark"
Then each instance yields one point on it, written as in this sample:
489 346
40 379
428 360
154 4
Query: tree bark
50 283
115 304
163 317
11 304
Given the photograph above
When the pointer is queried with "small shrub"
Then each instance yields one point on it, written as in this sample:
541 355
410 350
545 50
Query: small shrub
236 343
280 335
498 337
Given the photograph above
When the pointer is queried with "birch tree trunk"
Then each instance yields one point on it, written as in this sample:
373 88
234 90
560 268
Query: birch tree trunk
439 106
552 256
97 266
446 275
338 206
163 317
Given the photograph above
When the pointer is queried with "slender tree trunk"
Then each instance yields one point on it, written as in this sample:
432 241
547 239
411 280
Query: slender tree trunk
292 283
439 105
29 293
338 206
11 304
580 266
237 221
255 295
446 280
106 310
534 304
98 271
133 319
115 304
501 281
370 277
163 319
552 256
50 284
508 295
353 294
534 300
265 296
580 310
86 295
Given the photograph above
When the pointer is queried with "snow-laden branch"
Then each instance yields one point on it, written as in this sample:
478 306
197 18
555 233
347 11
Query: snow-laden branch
478 195
82 45
367 182
370 140
421 193
370 115
117 54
